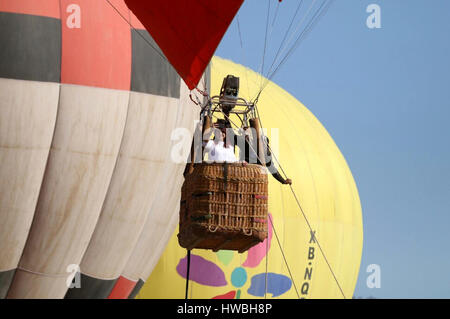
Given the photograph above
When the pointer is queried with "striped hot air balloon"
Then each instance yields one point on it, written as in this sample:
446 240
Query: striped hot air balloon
88 102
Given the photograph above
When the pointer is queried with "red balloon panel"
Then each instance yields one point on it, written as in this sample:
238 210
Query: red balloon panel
96 45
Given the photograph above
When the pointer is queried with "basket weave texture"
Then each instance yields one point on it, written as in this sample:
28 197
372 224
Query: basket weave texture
224 206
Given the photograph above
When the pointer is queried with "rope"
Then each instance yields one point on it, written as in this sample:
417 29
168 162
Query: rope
317 241
316 17
276 14
273 228
285 37
319 13
303 213
284 257
143 38
265 42
286 33
267 261
187 273
134 29
298 27
242 51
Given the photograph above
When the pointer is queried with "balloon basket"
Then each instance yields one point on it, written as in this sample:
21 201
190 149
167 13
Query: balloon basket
224 206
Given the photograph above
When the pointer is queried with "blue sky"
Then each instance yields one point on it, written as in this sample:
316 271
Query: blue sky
384 96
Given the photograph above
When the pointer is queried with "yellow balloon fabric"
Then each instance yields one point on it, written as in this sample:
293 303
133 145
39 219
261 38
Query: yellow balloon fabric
297 265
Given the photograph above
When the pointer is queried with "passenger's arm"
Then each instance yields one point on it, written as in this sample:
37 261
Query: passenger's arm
208 146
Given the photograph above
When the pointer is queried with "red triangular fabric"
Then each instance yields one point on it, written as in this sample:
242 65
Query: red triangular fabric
188 32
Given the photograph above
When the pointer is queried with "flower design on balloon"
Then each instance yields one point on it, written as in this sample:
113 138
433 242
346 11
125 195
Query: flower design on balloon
206 272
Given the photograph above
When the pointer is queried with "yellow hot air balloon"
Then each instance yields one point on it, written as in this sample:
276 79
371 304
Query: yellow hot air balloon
315 255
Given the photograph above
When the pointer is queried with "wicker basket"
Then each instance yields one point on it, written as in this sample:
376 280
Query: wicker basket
224 206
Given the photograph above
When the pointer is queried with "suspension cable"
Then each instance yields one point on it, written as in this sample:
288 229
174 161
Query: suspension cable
276 13
319 13
135 30
302 211
286 33
265 42
316 17
273 227
242 50
283 46
188 266
296 30
267 262
284 257
143 38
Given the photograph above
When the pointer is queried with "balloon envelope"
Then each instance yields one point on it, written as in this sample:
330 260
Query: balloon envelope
87 108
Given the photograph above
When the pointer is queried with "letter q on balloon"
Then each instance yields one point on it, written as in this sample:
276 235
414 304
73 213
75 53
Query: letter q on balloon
374 19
